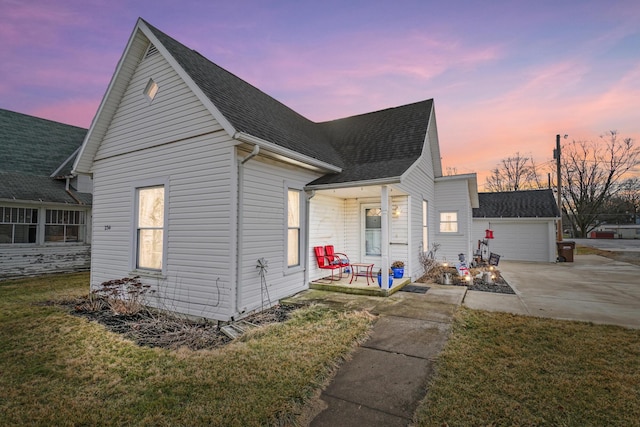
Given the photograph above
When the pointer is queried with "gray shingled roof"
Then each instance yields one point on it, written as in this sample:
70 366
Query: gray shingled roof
370 146
517 204
32 150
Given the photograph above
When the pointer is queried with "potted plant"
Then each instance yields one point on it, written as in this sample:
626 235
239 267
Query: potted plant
398 269
390 278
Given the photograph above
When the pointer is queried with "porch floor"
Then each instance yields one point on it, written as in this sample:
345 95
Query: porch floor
359 287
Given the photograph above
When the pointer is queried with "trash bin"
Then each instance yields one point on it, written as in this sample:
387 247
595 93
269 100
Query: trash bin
565 250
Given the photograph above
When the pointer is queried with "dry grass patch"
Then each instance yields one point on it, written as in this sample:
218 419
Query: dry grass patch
503 370
59 369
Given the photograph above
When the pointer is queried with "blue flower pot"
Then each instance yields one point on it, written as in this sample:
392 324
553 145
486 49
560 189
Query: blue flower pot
398 272
390 280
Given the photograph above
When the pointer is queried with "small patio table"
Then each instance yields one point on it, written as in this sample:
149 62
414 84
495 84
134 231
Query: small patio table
360 269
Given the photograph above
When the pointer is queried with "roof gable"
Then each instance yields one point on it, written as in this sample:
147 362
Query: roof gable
378 145
517 204
356 147
35 146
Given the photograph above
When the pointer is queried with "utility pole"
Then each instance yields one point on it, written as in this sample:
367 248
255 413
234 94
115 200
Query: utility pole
556 155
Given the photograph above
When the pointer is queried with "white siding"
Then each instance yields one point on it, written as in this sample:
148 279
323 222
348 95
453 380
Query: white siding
523 239
452 195
198 226
419 184
327 226
174 114
263 232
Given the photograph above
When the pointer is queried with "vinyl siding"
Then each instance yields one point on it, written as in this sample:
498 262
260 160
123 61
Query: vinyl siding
419 184
198 173
263 228
453 196
327 226
174 114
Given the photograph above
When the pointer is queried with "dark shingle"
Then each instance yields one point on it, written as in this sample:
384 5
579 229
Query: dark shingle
35 146
517 204
21 187
369 146
31 150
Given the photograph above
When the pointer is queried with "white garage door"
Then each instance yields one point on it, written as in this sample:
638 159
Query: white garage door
522 241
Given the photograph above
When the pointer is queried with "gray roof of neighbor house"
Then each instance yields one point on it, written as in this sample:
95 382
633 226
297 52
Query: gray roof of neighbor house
517 204
376 145
33 149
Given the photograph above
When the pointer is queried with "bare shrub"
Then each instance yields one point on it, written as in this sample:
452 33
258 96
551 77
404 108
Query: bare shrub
124 296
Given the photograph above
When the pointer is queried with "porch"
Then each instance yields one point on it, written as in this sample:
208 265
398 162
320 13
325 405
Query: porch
369 225
359 287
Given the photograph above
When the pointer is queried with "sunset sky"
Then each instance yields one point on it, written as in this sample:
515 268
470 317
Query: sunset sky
506 76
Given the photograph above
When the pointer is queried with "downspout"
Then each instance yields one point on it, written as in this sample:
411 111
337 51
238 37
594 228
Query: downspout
239 224
70 193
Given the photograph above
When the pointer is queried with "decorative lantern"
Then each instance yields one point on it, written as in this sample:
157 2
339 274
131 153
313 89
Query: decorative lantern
488 234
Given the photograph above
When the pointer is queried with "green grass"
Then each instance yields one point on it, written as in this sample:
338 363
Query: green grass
58 369
506 370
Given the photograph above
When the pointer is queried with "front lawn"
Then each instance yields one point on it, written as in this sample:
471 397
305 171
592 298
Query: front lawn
500 369
59 369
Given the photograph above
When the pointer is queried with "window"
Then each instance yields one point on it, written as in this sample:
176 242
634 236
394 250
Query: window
293 228
64 226
425 227
448 222
18 225
373 231
151 89
150 228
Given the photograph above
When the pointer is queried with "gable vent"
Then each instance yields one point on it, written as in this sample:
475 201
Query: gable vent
151 50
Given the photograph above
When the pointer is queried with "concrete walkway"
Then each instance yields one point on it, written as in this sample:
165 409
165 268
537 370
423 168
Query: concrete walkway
590 289
387 376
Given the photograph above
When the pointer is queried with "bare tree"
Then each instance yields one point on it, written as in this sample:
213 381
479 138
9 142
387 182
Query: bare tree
516 172
591 173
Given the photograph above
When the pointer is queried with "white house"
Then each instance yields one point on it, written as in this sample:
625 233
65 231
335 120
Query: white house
198 175
44 211
523 224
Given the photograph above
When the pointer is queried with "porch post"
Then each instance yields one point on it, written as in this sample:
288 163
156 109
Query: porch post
384 206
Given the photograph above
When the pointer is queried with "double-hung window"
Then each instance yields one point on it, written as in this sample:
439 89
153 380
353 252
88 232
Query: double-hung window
150 228
448 222
293 227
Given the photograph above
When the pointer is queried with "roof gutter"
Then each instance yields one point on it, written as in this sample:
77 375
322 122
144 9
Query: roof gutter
285 153
70 193
351 184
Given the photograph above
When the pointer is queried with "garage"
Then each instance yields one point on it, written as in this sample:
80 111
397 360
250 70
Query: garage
522 222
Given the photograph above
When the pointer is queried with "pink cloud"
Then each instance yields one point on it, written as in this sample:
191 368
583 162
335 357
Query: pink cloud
76 112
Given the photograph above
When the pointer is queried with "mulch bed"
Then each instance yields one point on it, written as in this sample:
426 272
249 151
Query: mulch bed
497 285
151 328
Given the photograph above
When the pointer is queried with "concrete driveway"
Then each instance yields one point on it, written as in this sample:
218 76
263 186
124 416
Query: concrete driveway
591 289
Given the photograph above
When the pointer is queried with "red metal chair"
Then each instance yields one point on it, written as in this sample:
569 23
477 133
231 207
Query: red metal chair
337 257
325 263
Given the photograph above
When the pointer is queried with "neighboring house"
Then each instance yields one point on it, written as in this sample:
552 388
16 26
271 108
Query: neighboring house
44 211
198 175
523 224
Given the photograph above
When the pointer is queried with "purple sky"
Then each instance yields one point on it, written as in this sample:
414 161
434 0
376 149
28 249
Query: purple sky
506 76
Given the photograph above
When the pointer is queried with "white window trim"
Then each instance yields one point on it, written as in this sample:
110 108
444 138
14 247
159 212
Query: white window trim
302 233
457 222
425 225
133 246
